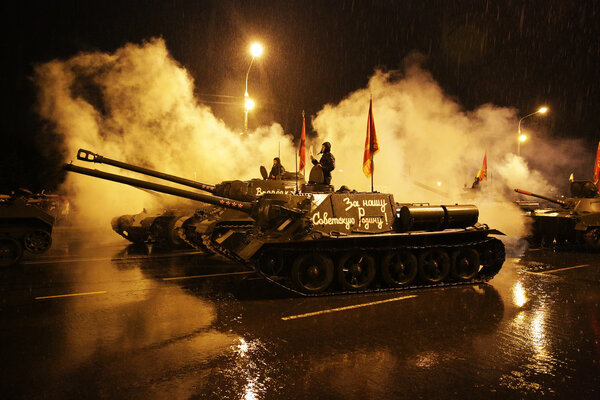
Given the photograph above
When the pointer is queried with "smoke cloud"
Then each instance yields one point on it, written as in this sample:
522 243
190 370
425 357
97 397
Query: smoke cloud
137 105
431 148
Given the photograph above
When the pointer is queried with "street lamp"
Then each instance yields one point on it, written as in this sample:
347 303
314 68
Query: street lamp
256 50
248 104
522 138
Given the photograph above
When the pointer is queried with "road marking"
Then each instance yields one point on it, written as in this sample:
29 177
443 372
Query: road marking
207 276
331 310
69 295
558 270
59 261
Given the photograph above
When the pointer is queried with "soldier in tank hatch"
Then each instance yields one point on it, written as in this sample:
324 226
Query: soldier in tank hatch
277 170
327 161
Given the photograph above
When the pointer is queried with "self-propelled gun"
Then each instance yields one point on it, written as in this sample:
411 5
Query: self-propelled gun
161 227
321 241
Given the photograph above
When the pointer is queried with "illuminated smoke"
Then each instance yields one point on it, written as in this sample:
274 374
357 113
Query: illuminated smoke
431 148
137 105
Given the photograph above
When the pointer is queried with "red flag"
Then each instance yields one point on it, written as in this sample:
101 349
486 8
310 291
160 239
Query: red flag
482 174
302 151
597 166
371 145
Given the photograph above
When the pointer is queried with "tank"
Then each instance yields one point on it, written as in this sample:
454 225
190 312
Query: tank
23 227
152 227
324 242
160 227
576 220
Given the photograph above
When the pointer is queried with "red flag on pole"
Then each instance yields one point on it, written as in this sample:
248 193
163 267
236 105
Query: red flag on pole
371 145
302 151
482 174
597 166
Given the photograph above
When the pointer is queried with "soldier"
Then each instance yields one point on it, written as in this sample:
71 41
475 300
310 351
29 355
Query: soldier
277 170
327 162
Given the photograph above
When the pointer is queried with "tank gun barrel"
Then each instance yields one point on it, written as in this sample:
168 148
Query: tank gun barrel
205 198
550 199
89 156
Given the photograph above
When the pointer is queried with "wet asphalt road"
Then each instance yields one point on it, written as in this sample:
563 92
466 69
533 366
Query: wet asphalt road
131 323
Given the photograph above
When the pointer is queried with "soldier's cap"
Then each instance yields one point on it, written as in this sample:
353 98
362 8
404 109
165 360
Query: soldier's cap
327 146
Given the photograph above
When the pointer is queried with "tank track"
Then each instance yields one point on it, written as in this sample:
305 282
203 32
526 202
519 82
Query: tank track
485 274
201 246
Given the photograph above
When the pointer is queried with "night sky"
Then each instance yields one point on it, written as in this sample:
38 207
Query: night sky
519 54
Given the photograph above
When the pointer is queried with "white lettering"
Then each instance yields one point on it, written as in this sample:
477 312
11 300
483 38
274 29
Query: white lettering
350 203
381 203
325 220
260 192
367 221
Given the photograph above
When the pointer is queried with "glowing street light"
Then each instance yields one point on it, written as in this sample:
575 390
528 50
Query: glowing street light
256 50
248 104
521 137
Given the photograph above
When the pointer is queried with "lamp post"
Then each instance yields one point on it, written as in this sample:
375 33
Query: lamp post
521 137
256 50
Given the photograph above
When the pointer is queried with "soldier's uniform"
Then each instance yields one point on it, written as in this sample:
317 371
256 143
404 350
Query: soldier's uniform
327 162
277 170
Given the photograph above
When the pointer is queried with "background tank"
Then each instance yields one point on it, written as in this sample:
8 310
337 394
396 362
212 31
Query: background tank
155 227
23 226
337 242
162 227
576 220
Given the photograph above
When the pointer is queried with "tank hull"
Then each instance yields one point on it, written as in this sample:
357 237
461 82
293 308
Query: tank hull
23 227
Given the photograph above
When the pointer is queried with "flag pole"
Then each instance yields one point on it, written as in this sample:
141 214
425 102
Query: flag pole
296 160
371 151
372 172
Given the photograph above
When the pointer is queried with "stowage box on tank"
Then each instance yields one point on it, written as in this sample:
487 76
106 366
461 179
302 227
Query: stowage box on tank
321 241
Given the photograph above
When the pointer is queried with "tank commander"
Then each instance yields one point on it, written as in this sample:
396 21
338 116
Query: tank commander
327 162
277 170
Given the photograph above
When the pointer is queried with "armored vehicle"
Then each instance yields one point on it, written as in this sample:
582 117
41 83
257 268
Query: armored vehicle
23 226
156 227
321 241
160 227
576 220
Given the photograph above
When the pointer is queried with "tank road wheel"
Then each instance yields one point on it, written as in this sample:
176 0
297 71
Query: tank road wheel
494 255
356 270
592 239
312 273
270 263
37 242
465 264
10 252
434 265
399 268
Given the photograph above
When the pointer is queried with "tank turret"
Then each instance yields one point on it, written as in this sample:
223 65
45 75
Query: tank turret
343 241
235 189
576 220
